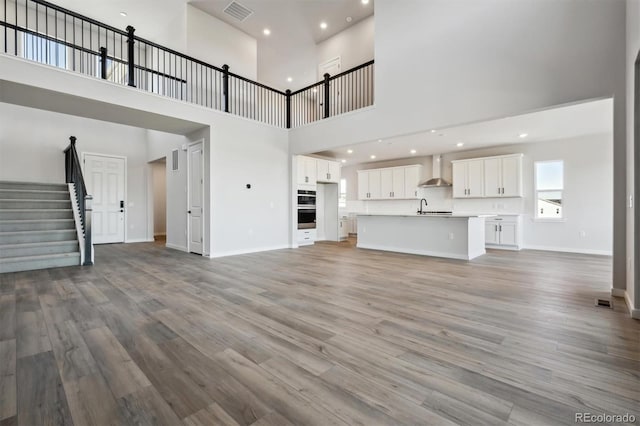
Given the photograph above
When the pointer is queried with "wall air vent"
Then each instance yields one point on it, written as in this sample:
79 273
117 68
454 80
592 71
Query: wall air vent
238 11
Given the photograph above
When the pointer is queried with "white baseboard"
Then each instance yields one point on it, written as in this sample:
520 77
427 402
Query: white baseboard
164 234
570 250
175 247
420 252
139 240
247 251
618 292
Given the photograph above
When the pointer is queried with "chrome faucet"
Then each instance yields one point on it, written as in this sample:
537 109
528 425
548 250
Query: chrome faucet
420 211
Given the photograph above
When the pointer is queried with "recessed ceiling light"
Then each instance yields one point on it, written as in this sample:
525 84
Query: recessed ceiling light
365 1
413 151
459 144
349 19
323 25
289 79
349 151
433 130
373 157
523 135
266 31
123 14
379 140
343 160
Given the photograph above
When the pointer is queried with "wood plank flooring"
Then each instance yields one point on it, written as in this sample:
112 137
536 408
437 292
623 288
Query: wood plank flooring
325 335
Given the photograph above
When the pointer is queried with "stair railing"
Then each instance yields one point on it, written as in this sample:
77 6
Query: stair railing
73 174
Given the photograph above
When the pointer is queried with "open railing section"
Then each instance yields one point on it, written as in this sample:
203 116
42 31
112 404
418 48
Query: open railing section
43 32
335 95
73 174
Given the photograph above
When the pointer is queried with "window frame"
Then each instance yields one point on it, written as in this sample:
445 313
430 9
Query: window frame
537 191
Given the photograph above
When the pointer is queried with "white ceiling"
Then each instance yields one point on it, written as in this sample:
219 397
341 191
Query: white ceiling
565 122
290 49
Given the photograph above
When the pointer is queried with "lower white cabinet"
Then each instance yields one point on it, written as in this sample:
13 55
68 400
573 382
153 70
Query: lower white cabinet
504 232
343 230
306 236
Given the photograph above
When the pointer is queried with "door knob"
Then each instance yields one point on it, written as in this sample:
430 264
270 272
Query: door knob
189 211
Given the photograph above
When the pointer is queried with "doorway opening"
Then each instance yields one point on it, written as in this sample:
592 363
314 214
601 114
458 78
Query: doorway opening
159 189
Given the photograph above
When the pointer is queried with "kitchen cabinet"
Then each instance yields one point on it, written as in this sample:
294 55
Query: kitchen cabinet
411 180
307 171
503 176
504 232
343 231
369 184
327 171
468 178
306 236
390 183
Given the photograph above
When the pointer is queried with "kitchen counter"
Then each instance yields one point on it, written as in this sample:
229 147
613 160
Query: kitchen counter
454 236
451 215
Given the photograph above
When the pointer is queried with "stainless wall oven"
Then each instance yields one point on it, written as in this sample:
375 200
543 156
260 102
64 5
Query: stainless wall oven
306 209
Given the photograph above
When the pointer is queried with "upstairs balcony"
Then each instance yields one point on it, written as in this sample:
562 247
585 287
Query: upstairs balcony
40 31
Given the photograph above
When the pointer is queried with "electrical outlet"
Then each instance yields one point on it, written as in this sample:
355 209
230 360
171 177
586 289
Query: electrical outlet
583 234
630 201
451 235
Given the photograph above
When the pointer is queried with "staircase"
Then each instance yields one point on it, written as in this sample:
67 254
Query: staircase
37 227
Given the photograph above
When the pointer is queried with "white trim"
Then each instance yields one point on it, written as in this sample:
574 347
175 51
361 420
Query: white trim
176 247
248 251
139 240
549 220
422 252
126 202
569 250
76 216
502 247
203 214
619 292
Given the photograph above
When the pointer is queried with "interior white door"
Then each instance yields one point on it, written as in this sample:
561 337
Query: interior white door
105 181
195 197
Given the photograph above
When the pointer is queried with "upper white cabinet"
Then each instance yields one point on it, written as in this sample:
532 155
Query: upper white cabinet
389 183
369 185
488 177
306 170
328 171
312 170
468 179
503 176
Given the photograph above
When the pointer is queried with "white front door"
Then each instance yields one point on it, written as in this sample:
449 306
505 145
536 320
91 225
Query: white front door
196 197
105 180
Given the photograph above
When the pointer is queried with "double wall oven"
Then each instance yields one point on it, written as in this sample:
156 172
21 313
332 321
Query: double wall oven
306 209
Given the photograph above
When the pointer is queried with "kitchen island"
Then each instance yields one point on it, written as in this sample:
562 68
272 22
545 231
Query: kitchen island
452 236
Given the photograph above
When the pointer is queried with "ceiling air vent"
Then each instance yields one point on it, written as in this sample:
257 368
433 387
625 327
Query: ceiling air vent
238 11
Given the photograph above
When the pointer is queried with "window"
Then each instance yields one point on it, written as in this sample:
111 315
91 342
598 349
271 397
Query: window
549 181
45 51
342 199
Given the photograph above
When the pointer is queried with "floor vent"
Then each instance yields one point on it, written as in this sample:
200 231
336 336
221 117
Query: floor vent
604 303
238 11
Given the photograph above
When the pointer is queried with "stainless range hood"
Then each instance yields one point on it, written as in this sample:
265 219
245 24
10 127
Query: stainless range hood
436 180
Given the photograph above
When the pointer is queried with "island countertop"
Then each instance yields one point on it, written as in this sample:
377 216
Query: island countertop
444 215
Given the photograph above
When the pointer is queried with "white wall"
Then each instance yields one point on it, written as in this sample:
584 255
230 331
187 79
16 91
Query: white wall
633 47
32 141
354 45
159 183
245 220
587 196
216 42
440 63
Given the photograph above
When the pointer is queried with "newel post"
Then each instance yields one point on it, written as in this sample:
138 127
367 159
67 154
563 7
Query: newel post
288 92
326 95
130 55
225 86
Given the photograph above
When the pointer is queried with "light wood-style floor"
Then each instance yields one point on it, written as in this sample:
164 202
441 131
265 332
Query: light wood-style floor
322 335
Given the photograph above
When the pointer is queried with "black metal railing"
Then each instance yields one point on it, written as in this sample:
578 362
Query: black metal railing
73 174
43 32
